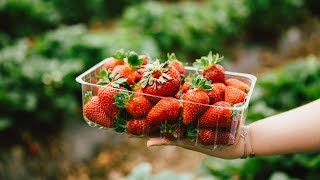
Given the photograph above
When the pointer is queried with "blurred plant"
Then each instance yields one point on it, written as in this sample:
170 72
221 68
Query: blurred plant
269 18
91 47
35 92
74 12
187 28
27 17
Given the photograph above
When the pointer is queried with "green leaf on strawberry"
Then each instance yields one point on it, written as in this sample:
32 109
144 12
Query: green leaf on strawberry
120 54
120 125
206 61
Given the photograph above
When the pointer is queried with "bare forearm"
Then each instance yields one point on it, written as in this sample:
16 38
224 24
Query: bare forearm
297 130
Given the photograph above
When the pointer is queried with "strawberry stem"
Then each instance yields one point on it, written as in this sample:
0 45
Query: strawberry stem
119 55
198 81
133 60
192 132
122 98
120 125
206 62
88 95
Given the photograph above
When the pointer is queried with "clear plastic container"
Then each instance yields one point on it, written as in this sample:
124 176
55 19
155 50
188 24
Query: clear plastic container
222 135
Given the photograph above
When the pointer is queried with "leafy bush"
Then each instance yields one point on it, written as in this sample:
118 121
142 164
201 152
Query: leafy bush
91 47
35 92
269 18
85 11
27 17
188 28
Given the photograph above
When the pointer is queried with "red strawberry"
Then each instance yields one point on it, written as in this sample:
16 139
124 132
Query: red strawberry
195 99
176 63
221 87
212 137
211 70
160 80
216 93
234 95
167 109
125 71
238 84
216 116
128 70
111 63
136 104
115 60
144 59
185 87
106 95
93 111
138 127
172 132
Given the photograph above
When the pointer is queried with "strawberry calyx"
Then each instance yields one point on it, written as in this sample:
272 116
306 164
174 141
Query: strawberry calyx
119 55
192 132
199 82
122 98
106 77
205 62
168 128
156 73
88 95
134 60
172 57
120 125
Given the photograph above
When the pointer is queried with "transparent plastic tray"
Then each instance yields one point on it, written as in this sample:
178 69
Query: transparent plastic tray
88 81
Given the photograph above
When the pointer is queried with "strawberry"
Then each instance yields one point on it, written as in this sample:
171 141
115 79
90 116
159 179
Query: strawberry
237 84
216 93
176 63
110 86
211 70
195 99
212 137
172 132
144 58
234 95
136 104
111 63
115 60
138 127
185 87
216 116
93 111
167 109
160 79
106 95
133 126
221 88
128 70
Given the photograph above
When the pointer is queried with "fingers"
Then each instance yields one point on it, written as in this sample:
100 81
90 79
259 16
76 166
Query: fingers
158 142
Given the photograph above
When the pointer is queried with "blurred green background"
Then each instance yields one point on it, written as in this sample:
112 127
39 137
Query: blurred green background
44 45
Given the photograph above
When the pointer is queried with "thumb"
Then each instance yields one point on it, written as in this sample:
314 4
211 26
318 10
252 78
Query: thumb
158 142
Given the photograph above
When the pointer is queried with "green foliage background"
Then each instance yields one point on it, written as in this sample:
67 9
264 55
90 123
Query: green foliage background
44 45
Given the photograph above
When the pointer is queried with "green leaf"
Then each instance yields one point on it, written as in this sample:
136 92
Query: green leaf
88 95
120 125
120 54
171 56
122 98
134 60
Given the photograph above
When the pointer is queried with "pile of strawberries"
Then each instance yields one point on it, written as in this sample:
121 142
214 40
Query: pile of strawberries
151 98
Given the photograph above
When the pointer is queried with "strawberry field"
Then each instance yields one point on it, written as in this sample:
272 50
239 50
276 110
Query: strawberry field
44 47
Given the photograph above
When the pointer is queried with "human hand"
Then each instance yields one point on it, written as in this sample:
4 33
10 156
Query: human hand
232 152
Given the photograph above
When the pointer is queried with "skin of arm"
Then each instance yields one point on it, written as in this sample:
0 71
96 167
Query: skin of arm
293 131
